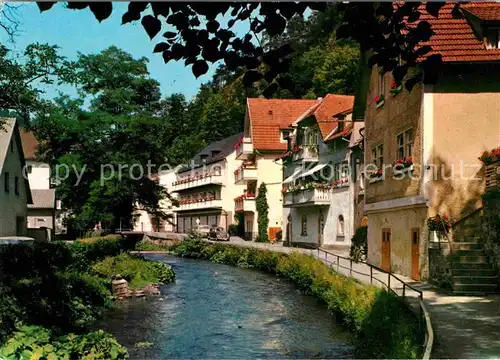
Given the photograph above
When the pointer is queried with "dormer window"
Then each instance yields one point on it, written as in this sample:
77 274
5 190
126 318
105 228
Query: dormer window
492 38
285 134
215 153
203 158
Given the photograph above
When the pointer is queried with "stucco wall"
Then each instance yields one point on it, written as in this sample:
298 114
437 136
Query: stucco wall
382 125
12 206
401 222
40 175
464 126
269 172
312 215
340 204
40 218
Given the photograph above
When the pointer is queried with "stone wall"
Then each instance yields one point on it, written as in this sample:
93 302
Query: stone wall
440 266
491 227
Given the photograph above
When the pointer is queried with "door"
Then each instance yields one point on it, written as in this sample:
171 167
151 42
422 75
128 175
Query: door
415 254
386 249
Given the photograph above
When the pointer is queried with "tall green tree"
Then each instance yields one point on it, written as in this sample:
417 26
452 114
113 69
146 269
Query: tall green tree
262 214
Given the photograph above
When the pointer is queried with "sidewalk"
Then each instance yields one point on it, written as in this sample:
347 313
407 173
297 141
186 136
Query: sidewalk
464 327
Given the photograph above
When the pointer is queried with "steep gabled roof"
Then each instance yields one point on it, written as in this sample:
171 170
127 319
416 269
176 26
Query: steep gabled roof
30 144
214 152
268 116
325 110
9 131
456 39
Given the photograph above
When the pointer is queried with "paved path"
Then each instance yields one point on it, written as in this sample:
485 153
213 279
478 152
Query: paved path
464 326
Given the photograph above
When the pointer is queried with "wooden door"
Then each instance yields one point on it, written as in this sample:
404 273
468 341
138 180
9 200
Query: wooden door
386 249
415 254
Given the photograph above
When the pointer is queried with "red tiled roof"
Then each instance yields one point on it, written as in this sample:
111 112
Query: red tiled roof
455 38
326 108
30 144
268 116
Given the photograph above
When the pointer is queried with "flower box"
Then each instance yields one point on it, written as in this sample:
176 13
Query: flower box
396 89
379 101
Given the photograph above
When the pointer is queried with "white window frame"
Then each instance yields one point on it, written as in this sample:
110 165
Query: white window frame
283 139
378 155
404 144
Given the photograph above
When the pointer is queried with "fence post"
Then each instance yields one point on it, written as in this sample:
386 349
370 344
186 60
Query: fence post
338 259
371 275
350 267
404 286
389 281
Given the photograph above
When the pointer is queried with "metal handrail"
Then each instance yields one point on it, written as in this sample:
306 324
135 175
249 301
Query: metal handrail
424 316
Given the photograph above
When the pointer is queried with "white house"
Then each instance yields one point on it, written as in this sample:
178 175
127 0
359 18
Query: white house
42 213
321 194
15 193
144 222
206 187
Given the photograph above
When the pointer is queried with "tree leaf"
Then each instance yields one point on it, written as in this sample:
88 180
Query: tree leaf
129 17
433 7
160 47
77 5
199 68
250 77
160 8
152 25
101 10
212 26
270 90
45 5
169 34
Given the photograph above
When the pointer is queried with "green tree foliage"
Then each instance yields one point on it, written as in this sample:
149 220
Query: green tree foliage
20 81
262 214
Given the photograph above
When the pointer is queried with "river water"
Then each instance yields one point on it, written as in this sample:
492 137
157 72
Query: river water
216 311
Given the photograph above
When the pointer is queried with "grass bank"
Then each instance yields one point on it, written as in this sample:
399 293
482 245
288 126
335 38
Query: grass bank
382 324
52 292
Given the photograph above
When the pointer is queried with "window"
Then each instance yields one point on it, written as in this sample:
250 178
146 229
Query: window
16 185
285 134
29 169
340 226
6 184
340 125
304 226
492 39
378 155
405 144
217 170
381 84
204 158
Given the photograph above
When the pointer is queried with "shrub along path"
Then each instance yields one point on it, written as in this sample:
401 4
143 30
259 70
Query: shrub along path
464 326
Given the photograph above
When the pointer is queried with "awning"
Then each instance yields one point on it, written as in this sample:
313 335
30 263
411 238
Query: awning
313 170
292 177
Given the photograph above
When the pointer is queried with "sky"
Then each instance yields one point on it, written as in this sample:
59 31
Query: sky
78 31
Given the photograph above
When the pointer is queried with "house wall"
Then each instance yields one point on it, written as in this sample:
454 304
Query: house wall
312 215
382 126
269 172
13 206
39 178
38 218
340 205
466 122
401 222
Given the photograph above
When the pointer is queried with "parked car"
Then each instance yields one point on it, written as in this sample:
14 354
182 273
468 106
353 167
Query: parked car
219 234
202 230
10 240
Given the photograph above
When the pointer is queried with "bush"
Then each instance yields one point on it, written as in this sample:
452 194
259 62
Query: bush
137 270
359 244
232 230
363 309
35 342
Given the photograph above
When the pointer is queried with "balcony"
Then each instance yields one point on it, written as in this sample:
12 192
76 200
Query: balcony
189 182
307 197
245 174
199 205
244 149
305 153
245 203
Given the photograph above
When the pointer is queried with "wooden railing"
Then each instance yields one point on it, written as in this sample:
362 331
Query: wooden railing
376 275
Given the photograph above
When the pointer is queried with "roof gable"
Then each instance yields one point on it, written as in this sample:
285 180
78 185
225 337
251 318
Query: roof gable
268 116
